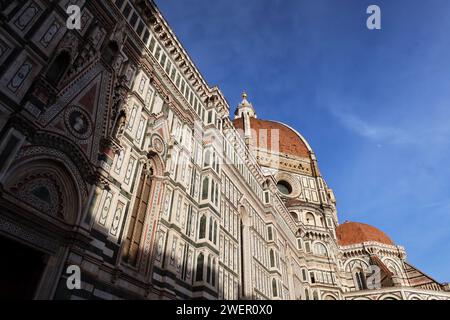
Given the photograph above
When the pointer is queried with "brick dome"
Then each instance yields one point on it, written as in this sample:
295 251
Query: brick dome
291 143
350 233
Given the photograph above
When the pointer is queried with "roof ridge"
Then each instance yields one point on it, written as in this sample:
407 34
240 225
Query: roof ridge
423 273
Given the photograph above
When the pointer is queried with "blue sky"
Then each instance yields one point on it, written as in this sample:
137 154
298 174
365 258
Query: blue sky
374 105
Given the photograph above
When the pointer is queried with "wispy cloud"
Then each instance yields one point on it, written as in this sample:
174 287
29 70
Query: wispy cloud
401 135
443 204
371 131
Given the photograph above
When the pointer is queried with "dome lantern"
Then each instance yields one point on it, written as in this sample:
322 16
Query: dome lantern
245 108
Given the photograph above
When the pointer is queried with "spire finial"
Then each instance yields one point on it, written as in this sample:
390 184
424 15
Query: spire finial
245 106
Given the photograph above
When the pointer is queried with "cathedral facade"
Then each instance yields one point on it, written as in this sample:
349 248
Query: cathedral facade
119 161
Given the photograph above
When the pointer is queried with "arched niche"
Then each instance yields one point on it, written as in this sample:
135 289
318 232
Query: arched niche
310 219
45 186
295 216
388 297
329 297
45 194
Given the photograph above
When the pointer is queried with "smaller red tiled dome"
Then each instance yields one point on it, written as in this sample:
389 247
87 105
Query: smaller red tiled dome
350 233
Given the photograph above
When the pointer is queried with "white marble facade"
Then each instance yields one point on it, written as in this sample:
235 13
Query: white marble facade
146 182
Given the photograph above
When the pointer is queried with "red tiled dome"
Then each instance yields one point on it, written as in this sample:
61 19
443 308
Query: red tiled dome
290 142
350 233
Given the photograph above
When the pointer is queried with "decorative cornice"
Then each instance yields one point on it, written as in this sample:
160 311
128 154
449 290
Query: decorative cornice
161 29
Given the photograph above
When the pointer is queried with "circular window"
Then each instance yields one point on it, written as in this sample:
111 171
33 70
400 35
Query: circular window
284 187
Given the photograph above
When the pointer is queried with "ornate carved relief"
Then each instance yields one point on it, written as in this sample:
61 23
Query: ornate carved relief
78 122
46 186
76 164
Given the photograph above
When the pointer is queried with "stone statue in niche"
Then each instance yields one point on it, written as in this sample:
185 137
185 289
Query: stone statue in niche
69 43
120 124
96 35
119 34
112 50
119 97
129 74
118 63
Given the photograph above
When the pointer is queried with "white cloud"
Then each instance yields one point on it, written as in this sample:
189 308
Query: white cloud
432 133
374 132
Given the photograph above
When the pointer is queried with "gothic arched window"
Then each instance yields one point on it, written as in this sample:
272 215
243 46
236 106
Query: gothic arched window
205 188
210 236
199 271
208 269
320 249
304 275
272 258
214 161
315 295
312 277
360 279
274 288
213 187
215 232
269 233
207 161
202 228
216 196
213 279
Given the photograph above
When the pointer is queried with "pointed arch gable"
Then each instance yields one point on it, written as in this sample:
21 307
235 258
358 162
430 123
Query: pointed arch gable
156 163
351 264
392 264
46 143
48 185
